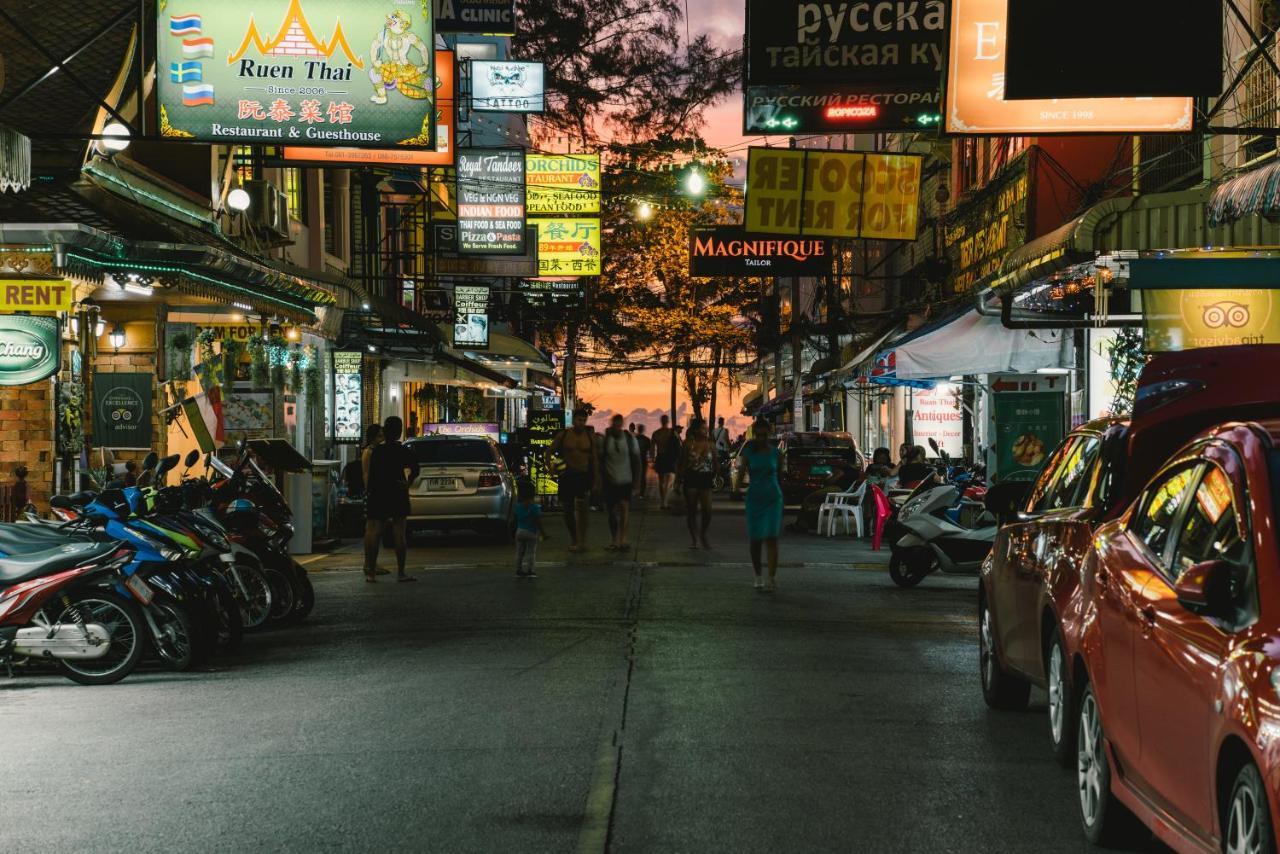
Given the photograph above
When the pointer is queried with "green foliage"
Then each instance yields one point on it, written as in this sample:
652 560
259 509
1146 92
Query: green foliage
1127 354
471 404
70 418
260 369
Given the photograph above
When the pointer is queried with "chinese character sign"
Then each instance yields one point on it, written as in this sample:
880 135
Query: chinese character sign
491 201
563 183
568 247
1029 425
297 72
471 316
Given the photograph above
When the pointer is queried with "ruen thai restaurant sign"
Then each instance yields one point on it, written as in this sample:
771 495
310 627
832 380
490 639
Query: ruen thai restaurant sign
301 72
491 201
490 17
28 349
36 295
727 250
978 235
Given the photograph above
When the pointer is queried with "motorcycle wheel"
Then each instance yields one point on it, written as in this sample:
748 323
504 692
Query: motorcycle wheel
124 623
229 623
282 595
255 599
177 646
907 572
306 593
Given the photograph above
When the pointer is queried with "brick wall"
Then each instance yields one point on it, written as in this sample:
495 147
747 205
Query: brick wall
26 436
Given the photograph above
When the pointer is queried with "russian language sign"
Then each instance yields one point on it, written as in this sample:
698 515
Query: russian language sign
832 193
471 316
563 183
509 87
976 102
440 155
493 17
297 72
491 201
568 247
791 109
727 250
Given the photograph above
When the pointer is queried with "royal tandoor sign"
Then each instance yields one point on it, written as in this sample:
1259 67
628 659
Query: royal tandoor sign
297 72
727 250
28 349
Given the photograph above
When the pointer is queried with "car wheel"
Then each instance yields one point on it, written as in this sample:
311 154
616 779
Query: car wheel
1000 690
1248 819
1062 729
1104 818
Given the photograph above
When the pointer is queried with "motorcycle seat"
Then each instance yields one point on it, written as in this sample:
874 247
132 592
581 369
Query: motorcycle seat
20 538
14 570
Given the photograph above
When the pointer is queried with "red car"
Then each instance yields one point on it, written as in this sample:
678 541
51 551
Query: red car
1178 667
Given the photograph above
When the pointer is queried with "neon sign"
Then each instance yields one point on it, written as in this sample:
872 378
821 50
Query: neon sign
857 111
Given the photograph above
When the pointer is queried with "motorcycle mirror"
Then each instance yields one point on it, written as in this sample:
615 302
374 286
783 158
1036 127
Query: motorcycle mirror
149 462
933 444
167 464
193 457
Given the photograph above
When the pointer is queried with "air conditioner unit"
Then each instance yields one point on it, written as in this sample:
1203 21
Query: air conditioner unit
268 213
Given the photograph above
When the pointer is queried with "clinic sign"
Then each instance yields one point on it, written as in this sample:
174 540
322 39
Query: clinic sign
489 17
833 193
297 72
975 102
28 349
563 183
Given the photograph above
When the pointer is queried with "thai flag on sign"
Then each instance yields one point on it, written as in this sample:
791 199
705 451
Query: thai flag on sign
197 95
186 72
198 48
184 25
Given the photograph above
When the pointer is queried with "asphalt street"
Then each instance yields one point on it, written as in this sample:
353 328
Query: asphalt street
652 702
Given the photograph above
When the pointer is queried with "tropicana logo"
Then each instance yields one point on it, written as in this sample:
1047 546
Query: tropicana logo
296 38
797 250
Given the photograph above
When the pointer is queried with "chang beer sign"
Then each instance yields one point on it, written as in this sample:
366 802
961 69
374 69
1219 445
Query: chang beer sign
297 72
28 349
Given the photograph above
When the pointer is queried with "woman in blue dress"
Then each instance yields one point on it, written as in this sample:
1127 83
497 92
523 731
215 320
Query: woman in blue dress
759 458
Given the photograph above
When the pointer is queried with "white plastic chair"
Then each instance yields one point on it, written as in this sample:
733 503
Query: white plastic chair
845 506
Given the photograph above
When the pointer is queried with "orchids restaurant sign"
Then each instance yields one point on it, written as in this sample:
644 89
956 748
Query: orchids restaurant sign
297 72
727 250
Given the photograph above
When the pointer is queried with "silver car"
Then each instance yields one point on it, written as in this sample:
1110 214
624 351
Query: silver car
463 483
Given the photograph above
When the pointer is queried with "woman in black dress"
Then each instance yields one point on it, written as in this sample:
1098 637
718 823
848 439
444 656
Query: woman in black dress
387 501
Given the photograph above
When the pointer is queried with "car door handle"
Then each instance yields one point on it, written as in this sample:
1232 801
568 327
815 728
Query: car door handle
1149 615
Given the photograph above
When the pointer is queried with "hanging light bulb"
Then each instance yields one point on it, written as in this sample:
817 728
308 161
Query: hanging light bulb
645 212
695 184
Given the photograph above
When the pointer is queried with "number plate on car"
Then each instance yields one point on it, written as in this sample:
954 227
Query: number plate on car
442 484
140 589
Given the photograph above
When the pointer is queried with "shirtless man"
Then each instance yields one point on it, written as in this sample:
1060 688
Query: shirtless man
580 478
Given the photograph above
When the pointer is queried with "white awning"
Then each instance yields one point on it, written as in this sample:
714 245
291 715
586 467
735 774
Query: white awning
868 352
975 344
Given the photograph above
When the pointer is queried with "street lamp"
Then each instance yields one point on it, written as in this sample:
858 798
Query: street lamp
645 212
117 335
694 184
238 200
115 138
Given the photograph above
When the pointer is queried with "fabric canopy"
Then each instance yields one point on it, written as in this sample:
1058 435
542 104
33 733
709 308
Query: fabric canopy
975 344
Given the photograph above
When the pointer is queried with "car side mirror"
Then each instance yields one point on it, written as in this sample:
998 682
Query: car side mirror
1003 500
1206 589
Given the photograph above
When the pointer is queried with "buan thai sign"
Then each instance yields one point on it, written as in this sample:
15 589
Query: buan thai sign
28 349
978 235
726 250
297 72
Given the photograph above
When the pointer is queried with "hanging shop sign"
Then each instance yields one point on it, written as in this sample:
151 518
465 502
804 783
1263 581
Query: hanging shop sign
1185 319
727 250
563 183
1029 425
833 193
440 155
348 400
507 87
544 424
305 73
122 410
448 262
785 110
36 295
243 332
491 201
471 316
936 414
490 17
568 246
975 98
977 235
29 349
545 293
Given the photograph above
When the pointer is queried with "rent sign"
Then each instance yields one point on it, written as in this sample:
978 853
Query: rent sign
727 250
35 295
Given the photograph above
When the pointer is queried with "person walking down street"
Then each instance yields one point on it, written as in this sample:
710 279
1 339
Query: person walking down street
581 476
666 453
392 468
358 478
720 436
529 528
764 501
696 473
620 461
646 445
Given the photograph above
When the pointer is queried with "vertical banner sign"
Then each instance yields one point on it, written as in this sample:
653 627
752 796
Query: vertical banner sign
1029 425
122 410
348 401
507 87
936 414
543 427
978 234
471 316
440 155
297 72
29 349
833 193
489 17
568 247
491 201
563 183
976 104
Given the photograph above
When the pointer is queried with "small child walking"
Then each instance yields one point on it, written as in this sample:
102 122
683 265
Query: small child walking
528 528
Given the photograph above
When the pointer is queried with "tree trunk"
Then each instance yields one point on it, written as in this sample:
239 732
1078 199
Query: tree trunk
715 385
675 376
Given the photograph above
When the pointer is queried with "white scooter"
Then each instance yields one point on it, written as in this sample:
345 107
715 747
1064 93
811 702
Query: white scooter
932 540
